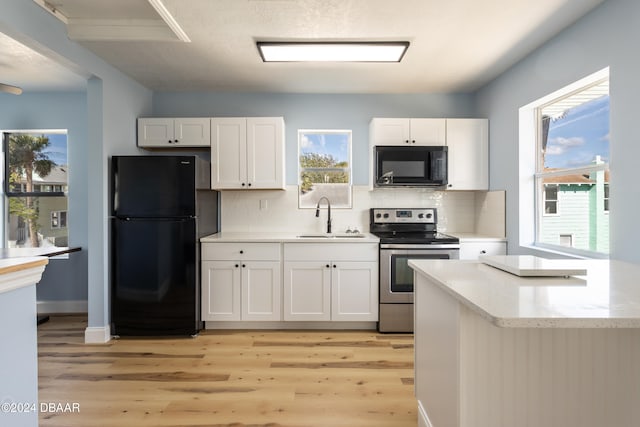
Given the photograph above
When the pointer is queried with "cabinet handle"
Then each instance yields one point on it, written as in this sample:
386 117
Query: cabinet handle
334 266
243 184
483 251
413 141
243 265
241 251
328 266
175 140
249 184
406 141
237 266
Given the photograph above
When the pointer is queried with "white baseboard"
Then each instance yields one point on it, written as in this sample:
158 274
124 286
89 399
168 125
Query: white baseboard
290 325
97 334
49 307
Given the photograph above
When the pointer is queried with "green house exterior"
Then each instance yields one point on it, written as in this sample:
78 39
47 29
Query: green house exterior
572 224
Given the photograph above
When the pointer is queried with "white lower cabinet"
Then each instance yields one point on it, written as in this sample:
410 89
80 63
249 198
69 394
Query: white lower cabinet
307 290
472 250
337 282
315 282
245 288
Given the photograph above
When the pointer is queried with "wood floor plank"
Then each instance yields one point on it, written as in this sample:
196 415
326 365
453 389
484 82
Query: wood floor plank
228 379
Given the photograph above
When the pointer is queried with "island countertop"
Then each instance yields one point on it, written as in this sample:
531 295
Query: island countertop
607 297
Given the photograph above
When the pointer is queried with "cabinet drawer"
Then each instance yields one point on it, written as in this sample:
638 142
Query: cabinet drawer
472 250
239 251
331 252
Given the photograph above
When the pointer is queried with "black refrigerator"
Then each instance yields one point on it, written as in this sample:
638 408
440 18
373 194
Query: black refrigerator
160 206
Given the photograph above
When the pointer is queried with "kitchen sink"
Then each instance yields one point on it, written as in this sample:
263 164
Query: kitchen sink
331 236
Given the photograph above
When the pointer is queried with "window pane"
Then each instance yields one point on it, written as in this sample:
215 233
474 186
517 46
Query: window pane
582 215
578 135
37 221
325 158
37 162
574 134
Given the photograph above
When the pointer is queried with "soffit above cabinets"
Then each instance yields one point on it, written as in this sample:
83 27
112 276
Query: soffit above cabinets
116 20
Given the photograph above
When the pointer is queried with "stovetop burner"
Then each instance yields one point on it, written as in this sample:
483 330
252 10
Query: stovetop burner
408 226
415 238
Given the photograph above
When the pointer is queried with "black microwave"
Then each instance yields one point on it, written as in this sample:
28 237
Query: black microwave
413 166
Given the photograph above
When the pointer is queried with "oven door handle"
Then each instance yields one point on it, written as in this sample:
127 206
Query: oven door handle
418 246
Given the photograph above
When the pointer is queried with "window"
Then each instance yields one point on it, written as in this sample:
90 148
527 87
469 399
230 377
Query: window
550 199
36 187
58 219
566 240
324 167
572 168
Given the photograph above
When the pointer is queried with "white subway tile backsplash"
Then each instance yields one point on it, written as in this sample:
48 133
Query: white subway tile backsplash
241 210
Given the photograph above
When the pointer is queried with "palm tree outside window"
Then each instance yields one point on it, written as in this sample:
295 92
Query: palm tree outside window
36 187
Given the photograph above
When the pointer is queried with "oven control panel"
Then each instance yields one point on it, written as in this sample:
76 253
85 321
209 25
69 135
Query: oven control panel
404 216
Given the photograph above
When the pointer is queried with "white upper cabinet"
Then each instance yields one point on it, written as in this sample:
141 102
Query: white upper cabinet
399 131
247 153
174 132
468 145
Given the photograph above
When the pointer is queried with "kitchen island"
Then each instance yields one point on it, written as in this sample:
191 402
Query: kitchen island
19 354
497 350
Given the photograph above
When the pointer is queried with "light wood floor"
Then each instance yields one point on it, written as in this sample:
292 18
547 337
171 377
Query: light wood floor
227 379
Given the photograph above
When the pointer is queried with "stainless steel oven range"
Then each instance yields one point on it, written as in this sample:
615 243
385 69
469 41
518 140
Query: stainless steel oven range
405 234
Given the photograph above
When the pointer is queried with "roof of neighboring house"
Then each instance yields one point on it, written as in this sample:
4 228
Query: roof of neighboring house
572 179
58 175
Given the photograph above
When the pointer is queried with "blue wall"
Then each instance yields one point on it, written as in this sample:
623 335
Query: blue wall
64 279
605 37
316 111
113 101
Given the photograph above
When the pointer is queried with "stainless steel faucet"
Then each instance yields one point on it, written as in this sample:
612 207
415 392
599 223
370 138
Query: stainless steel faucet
328 212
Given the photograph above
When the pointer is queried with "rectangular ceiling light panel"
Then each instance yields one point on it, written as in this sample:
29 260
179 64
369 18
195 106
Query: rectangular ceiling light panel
332 51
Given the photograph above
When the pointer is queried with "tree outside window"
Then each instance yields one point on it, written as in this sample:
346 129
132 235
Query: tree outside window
36 185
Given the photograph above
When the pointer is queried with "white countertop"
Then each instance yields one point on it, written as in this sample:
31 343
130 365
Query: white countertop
287 237
607 297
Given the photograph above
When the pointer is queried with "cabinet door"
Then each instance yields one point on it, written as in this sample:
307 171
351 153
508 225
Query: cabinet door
468 142
265 152
307 290
155 132
389 131
472 250
428 131
261 287
192 132
228 153
354 291
221 290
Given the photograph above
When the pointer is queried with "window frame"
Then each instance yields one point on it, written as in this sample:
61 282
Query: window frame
8 194
530 199
348 170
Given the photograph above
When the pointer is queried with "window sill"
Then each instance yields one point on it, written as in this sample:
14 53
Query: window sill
565 252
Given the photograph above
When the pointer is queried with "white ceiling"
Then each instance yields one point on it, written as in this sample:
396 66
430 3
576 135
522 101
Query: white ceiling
456 45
